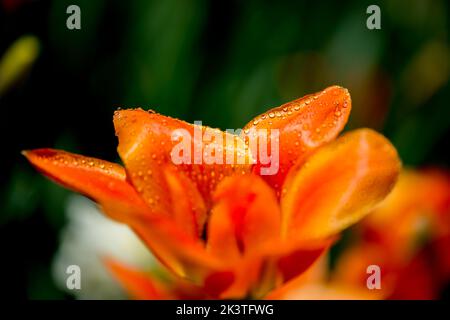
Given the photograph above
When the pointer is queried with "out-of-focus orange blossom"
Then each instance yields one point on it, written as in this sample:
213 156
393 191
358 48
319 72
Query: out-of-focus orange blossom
408 236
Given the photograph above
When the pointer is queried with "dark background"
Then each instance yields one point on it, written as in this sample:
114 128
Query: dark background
219 62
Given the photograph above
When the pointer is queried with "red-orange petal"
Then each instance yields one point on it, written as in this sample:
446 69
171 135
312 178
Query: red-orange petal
178 251
106 184
338 185
149 140
137 283
291 259
304 124
188 208
297 262
100 180
217 282
246 216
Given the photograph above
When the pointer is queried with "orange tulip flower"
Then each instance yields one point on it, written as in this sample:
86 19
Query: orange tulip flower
414 255
223 230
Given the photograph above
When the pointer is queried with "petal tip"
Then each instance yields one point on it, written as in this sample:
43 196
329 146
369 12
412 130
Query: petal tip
35 154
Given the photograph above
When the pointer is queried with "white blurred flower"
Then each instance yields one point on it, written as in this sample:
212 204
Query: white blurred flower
89 236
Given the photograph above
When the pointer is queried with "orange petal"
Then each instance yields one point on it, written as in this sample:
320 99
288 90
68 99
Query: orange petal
298 262
218 282
148 140
235 281
338 185
291 259
180 252
304 124
102 181
106 184
245 217
188 207
137 283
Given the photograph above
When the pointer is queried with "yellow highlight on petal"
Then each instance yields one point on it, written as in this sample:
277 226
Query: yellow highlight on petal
16 60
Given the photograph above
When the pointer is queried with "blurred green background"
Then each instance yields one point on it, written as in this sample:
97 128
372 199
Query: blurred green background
219 62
